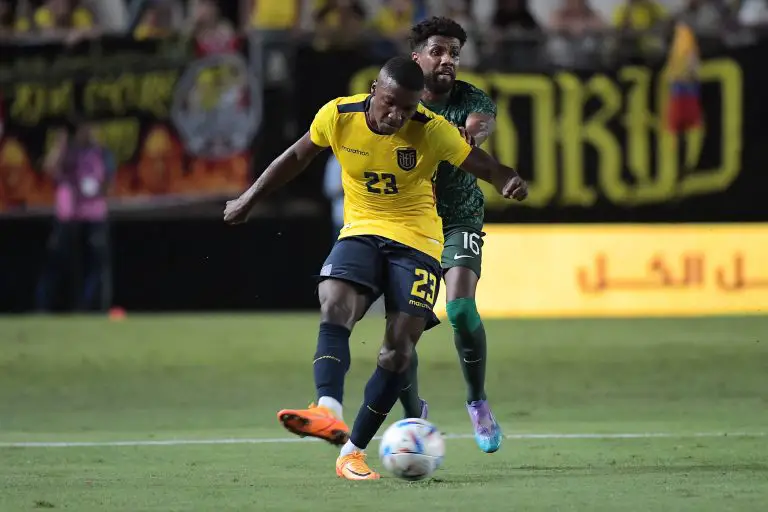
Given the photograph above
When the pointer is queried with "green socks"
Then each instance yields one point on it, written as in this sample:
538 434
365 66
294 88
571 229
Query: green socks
469 338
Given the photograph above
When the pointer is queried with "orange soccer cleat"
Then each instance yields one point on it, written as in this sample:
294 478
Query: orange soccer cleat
354 467
316 421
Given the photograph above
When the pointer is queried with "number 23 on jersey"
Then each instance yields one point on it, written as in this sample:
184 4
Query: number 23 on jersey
380 183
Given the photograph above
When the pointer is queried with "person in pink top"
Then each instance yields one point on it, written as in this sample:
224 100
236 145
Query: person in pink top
79 243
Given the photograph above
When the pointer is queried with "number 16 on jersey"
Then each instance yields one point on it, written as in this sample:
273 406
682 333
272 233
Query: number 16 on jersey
470 242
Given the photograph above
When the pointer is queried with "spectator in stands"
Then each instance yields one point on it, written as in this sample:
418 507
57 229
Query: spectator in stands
156 20
753 13
634 19
339 23
393 22
708 16
574 25
272 14
575 18
7 17
70 19
513 16
395 18
638 15
212 33
460 11
83 171
513 20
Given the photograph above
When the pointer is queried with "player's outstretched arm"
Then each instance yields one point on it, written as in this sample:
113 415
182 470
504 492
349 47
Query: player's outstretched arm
282 170
505 179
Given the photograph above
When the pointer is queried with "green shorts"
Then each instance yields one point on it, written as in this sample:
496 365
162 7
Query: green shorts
463 248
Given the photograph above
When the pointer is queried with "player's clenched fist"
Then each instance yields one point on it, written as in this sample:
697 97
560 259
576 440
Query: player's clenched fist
515 188
236 211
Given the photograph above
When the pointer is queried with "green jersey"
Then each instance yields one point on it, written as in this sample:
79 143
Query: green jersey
460 202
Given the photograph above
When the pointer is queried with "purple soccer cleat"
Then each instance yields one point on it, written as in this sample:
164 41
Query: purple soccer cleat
424 409
488 434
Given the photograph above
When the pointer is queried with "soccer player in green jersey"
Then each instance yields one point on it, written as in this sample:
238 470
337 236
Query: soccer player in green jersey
436 44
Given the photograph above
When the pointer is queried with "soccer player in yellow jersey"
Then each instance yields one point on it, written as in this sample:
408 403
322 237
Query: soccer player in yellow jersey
389 147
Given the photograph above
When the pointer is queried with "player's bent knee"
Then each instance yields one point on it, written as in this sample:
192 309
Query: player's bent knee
397 358
338 311
340 303
462 315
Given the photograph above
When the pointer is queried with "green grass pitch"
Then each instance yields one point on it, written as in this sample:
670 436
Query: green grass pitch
602 415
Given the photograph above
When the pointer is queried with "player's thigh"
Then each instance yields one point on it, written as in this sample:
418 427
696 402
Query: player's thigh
412 283
349 278
341 302
462 262
460 283
402 333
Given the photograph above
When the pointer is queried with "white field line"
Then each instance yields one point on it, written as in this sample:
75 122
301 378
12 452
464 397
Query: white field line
279 440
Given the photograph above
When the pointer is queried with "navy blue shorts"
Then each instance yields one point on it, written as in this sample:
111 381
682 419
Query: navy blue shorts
408 279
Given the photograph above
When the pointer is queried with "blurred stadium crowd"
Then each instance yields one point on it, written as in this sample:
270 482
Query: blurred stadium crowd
566 32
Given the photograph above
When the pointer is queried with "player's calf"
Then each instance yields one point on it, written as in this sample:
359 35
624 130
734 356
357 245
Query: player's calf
384 386
341 304
413 405
469 339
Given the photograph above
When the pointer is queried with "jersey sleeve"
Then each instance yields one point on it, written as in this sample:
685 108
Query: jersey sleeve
447 143
481 103
321 129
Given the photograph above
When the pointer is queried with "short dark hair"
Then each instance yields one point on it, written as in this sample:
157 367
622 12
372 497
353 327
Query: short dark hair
435 26
404 72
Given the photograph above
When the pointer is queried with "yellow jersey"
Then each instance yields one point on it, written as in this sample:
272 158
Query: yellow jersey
388 179
639 16
275 14
389 23
81 18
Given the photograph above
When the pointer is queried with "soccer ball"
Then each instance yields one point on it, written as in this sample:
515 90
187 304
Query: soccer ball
412 449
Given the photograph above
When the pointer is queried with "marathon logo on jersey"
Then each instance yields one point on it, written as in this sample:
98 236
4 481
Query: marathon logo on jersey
406 158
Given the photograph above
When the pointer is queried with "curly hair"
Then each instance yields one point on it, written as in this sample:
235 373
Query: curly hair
435 26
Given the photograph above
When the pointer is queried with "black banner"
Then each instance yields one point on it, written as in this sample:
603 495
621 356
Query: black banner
595 146
179 116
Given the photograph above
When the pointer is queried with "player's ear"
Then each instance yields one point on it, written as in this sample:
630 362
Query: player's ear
373 87
415 56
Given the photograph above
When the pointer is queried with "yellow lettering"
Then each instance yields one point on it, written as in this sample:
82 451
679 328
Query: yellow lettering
121 136
728 73
600 136
638 121
641 125
28 103
60 99
574 132
34 102
155 94
151 92
539 88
